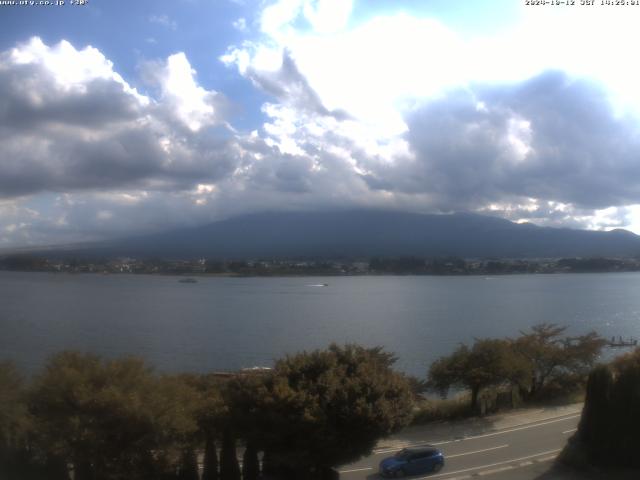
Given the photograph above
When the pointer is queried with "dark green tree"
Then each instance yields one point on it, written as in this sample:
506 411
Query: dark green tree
625 412
55 468
488 362
250 462
210 467
609 430
243 418
18 459
550 354
229 467
212 415
596 421
111 419
269 467
329 407
188 465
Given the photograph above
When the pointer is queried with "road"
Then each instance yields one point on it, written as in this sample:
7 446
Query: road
481 450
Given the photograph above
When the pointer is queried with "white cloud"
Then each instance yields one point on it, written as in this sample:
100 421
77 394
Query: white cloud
279 15
69 68
519 138
104 215
240 24
163 20
191 103
368 71
375 70
15 222
328 16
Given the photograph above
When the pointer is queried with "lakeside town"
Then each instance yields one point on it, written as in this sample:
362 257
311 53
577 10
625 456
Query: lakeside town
310 267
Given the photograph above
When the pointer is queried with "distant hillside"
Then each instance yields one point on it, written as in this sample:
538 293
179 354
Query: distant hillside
367 233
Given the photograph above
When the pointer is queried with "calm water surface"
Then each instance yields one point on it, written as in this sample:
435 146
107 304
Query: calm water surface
230 323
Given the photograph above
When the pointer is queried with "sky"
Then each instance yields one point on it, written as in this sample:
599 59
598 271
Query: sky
120 118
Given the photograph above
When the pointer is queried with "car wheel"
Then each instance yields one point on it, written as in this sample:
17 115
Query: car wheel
437 467
399 473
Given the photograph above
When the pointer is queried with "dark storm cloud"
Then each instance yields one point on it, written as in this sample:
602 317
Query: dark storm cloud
126 158
582 152
30 99
134 157
550 138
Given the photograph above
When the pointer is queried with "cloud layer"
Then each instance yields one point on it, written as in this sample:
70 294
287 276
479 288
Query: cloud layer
358 117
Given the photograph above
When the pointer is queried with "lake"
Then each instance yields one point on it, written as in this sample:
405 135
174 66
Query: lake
230 323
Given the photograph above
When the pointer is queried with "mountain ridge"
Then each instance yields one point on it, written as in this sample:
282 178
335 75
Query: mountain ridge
366 233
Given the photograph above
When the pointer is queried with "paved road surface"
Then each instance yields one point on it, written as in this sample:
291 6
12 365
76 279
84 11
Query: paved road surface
483 447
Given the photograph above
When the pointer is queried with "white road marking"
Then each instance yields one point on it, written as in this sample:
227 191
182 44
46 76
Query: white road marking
493 434
545 459
491 464
473 437
569 431
495 470
355 470
476 451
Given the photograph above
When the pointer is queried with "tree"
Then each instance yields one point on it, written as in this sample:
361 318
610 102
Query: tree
240 421
13 409
329 407
211 416
489 362
17 458
626 362
210 467
250 463
229 467
175 406
111 419
595 423
550 355
609 430
244 419
188 465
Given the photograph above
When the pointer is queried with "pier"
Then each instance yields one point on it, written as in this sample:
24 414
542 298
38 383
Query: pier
622 342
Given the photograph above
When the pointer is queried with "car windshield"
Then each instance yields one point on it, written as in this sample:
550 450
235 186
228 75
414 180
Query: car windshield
403 454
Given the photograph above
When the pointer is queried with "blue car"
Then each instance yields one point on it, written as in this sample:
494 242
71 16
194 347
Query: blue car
412 461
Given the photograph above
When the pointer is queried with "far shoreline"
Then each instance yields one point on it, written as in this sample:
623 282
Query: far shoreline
313 275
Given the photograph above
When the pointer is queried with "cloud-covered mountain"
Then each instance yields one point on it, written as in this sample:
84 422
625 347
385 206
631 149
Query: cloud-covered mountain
366 233
313 105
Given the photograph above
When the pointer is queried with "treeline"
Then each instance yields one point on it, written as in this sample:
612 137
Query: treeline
540 364
460 266
275 267
609 431
100 419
